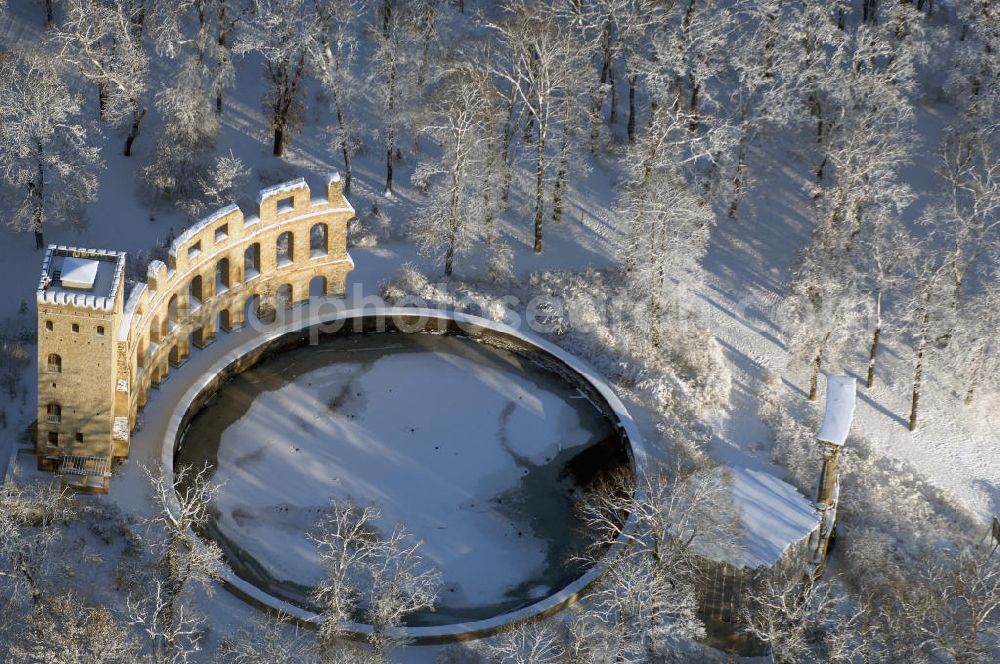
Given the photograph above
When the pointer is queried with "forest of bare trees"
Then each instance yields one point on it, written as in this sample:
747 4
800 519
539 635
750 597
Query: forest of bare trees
488 112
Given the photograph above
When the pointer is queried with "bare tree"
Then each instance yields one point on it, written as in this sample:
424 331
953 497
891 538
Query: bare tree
970 214
452 218
218 185
667 225
648 595
285 33
767 95
955 606
346 540
524 643
31 520
63 629
796 617
45 156
104 41
270 640
926 313
338 44
534 46
391 75
183 503
979 342
189 132
826 312
401 584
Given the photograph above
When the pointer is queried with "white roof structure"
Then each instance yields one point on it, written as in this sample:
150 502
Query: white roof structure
772 516
840 398
79 272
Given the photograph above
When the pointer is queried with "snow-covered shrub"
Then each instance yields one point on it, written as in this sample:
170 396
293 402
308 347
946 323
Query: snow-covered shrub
369 228
795 445
190 128
589 315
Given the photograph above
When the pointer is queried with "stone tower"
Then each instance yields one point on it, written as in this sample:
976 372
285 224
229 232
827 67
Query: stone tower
80 303
101 351
840 400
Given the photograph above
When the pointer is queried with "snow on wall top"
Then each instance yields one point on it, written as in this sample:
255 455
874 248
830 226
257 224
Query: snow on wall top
130 306
773 515
196 228
154 268
840 397
108 278
282 188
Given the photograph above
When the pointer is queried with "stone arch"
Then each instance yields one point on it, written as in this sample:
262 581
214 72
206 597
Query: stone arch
196 293
319 240
224 321
222 276
284 249
284 296
251 261
251 308
172 315
317 286
175 355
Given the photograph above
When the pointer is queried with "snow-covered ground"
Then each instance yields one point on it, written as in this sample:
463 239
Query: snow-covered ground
747 273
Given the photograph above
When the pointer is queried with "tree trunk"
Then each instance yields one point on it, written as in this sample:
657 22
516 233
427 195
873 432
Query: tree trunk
25 568
978 359
631 108
814 375
559 191
508 136
875 336
102 101
614 95
918 372
595 124
133 132
693 107
387 190
539 187
741 160
390 142
279 140
37 191
344 148
595 120
456 181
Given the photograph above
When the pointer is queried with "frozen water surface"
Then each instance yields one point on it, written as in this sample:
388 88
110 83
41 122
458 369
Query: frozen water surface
475 449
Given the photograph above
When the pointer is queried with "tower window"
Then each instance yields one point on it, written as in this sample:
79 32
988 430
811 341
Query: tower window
53 412
54 363
100 330
53 438
48 325
76 327
79 437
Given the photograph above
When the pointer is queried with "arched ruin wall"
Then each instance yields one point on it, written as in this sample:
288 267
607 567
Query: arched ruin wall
286 207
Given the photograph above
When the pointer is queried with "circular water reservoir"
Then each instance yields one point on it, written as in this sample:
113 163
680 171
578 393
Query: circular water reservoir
479 449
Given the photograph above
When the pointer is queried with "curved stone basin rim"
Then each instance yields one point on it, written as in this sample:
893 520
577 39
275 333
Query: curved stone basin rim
473 326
